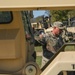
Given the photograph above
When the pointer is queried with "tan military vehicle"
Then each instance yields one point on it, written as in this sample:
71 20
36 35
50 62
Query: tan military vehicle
17 47
71 28
16 53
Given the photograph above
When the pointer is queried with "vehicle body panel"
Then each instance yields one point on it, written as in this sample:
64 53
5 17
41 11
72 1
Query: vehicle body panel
13 52
17 5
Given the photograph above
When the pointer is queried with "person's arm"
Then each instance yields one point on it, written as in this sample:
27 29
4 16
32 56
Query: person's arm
41 39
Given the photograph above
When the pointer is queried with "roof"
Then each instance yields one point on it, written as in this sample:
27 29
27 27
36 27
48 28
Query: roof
17 5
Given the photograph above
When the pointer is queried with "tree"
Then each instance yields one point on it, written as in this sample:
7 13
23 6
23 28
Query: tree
59 15
71 13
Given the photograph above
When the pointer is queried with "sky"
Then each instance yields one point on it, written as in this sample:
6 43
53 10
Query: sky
38 13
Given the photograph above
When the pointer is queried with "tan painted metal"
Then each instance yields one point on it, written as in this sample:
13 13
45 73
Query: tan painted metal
71 29
65 61
36 4
13 52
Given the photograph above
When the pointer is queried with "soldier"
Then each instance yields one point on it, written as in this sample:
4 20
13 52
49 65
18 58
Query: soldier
51 42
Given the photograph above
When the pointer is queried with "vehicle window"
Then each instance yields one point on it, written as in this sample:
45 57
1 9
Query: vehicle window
5 17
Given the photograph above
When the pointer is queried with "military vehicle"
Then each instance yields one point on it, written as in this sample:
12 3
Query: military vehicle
17 57
71 27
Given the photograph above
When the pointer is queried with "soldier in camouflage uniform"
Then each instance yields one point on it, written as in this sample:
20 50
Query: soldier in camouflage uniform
51 42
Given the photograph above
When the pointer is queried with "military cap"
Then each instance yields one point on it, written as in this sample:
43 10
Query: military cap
58 24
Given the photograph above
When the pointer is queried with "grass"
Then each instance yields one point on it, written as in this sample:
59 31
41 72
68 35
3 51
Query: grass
38 48
38 60
70 48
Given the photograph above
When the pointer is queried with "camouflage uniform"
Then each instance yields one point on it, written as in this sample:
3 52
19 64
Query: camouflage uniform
54 43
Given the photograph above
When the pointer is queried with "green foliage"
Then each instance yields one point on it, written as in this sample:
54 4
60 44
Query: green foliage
71 13
59 15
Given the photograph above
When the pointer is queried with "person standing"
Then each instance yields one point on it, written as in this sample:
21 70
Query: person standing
51 42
